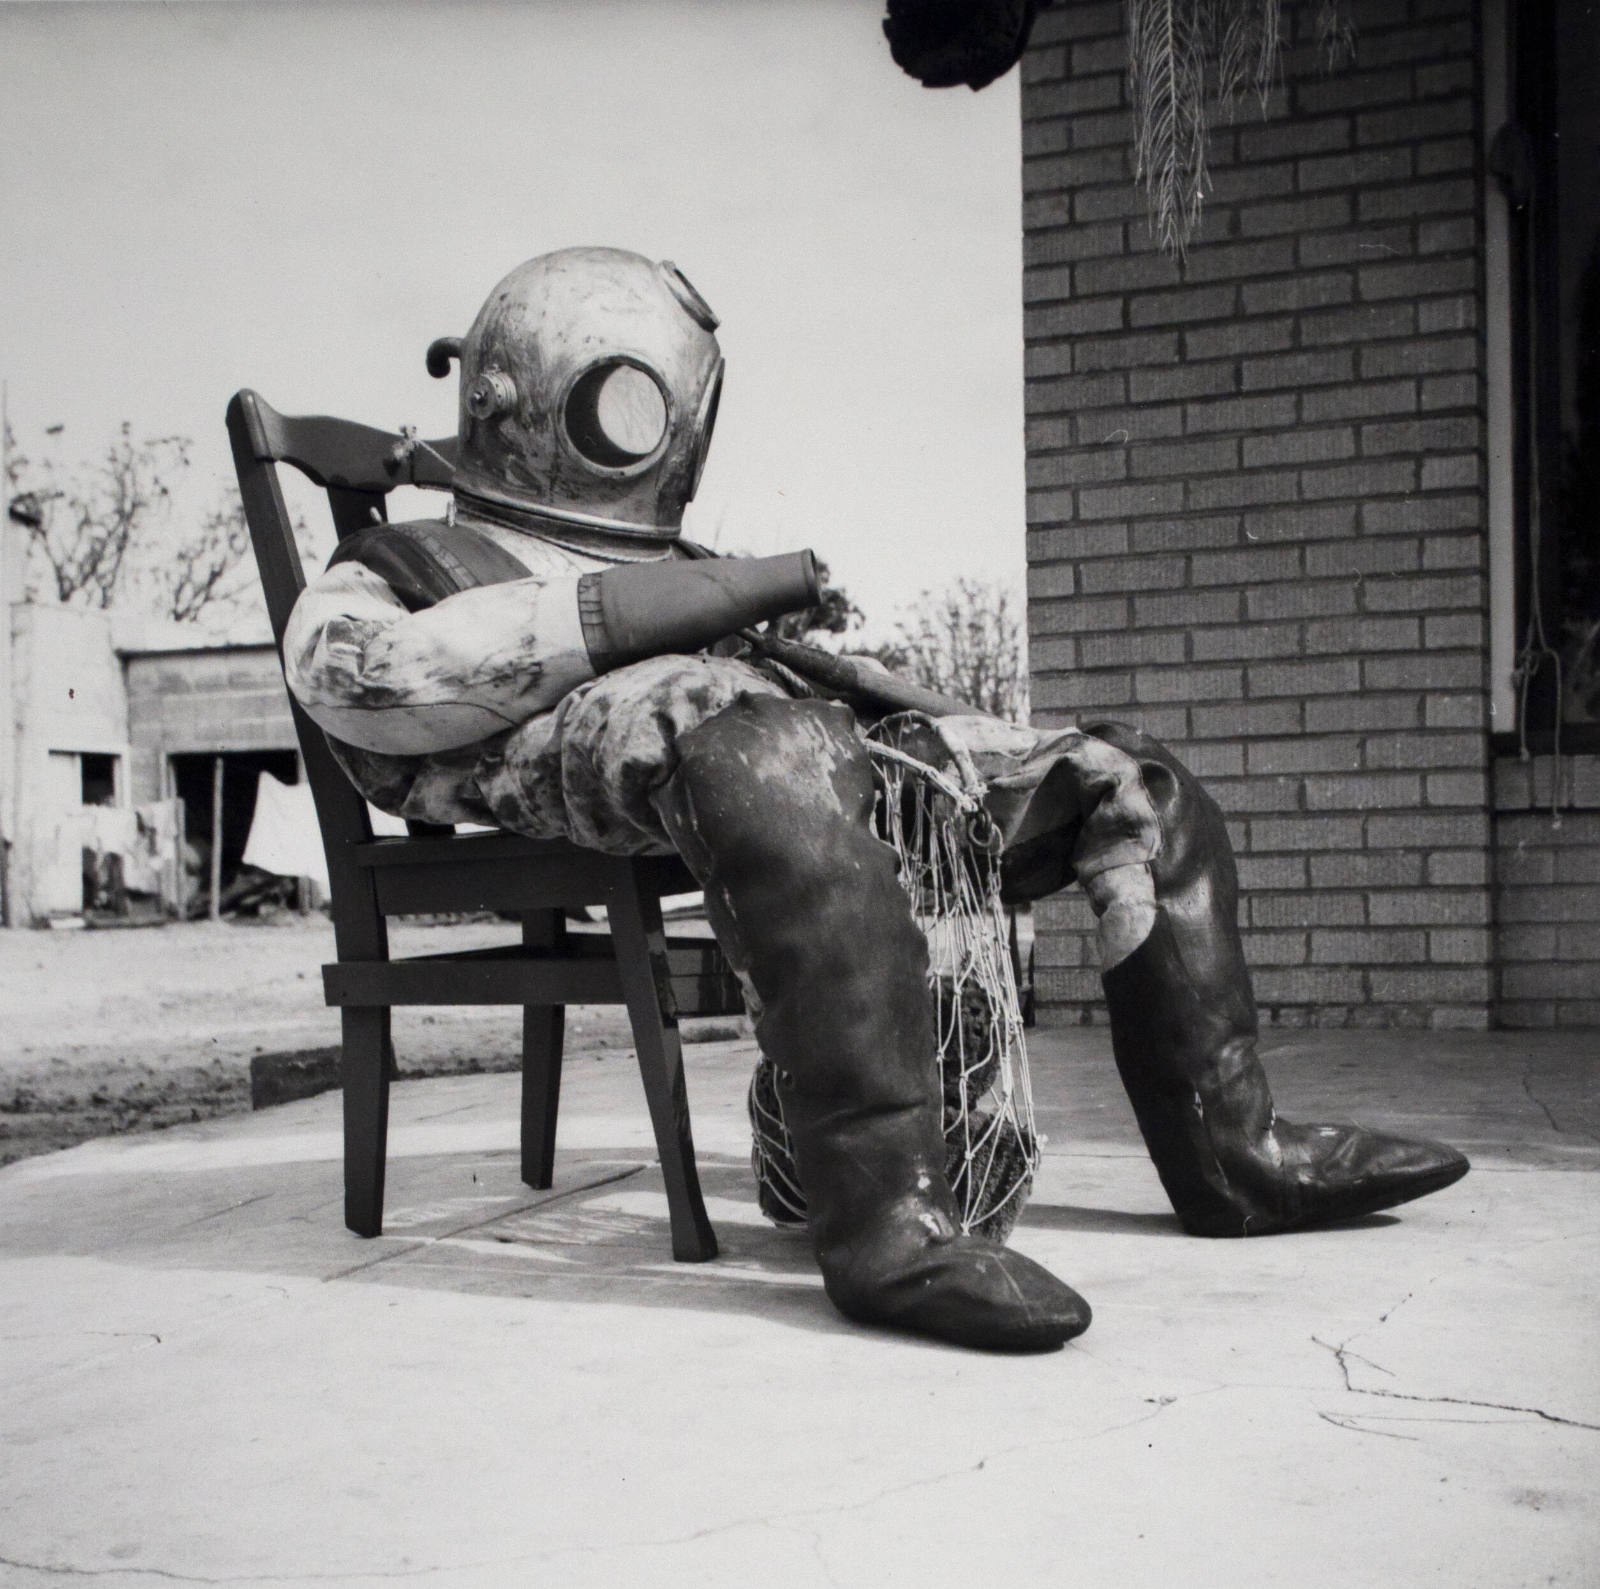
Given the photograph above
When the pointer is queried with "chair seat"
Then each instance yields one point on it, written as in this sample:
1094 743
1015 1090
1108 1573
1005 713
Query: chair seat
503 872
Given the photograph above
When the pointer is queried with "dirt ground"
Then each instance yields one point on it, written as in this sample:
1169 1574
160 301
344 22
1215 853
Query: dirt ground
134 1029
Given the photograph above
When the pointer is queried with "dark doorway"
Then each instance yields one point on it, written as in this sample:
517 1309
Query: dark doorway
192 782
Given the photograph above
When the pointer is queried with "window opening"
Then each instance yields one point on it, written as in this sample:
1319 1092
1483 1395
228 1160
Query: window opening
98 779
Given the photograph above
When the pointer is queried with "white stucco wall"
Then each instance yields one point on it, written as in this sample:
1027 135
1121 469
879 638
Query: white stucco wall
68 697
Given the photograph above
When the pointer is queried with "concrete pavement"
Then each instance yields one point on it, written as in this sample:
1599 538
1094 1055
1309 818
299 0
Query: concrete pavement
209 1381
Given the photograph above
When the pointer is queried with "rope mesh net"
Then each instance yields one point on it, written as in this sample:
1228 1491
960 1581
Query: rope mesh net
949 855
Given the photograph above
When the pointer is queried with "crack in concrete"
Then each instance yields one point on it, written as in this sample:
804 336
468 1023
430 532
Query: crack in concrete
795 1521
217 1213
1159 1405
1356 1357
226 1311
812 1537
1343 1356
442 1114
413 1243
1355 1428
1549 1114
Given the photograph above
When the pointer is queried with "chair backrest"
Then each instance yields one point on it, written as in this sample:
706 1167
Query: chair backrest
358 467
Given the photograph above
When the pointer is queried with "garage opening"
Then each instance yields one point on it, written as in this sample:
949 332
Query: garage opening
219 796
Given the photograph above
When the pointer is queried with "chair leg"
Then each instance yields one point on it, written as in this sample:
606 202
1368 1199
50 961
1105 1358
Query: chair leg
543 1031
365 1076
641 947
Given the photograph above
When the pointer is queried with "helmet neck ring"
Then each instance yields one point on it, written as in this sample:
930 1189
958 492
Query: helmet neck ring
576 532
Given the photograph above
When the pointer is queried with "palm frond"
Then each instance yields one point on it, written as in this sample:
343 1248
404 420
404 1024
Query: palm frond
1231 25
1186 56
1166 66
1269 32
1336 38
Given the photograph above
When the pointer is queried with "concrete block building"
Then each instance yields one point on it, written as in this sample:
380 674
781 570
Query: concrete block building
1301 503
131 749
204 722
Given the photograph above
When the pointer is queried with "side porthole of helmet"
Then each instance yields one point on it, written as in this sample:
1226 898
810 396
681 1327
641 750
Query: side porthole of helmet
705 423
616 416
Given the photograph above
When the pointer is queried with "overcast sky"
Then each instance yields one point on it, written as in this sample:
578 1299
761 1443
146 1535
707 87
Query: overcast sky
299 197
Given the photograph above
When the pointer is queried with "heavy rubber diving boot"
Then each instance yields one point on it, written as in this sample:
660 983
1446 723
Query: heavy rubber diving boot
770 807
1183 1029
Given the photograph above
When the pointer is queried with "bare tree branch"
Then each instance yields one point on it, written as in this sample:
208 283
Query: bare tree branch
966 641
103 534
198 571
84 525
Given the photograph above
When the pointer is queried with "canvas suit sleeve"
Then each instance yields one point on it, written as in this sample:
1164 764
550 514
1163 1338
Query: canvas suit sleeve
416 683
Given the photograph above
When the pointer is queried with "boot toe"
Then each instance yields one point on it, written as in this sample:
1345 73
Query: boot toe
1346 1172
967 1291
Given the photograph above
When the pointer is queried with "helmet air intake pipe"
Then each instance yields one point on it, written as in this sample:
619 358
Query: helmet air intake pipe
640 610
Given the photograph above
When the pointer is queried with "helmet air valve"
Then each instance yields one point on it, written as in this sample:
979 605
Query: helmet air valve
492 392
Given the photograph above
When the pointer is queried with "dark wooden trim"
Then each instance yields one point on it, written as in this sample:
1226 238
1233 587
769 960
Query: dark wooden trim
397 982
1577 739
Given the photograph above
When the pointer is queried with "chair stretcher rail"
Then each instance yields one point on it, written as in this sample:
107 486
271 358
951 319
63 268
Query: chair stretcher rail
584 973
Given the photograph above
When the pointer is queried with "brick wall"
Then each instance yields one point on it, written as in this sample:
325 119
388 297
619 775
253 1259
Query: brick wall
1547 892
1255 507
182 702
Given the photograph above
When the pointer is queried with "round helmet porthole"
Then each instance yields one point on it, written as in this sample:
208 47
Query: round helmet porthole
616 414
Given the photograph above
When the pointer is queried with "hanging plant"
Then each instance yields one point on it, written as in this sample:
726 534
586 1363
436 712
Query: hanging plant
1186 57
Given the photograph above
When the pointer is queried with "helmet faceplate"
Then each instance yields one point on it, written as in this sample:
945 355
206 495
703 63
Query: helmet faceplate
589 385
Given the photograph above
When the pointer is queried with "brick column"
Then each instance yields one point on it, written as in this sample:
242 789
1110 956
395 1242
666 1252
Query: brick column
1255 508
1547 882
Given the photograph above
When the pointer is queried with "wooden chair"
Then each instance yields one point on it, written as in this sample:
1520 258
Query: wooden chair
438 870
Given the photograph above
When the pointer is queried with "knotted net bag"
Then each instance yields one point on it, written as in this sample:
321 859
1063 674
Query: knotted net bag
930 811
